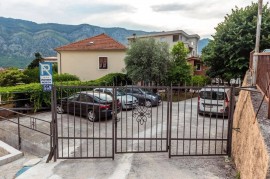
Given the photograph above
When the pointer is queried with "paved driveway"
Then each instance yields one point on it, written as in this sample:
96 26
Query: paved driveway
145 130
185 124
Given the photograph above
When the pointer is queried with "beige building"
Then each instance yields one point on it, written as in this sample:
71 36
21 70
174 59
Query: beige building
91 58
172 37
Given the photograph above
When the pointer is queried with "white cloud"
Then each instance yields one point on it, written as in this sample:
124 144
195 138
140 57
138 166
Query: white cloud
194 16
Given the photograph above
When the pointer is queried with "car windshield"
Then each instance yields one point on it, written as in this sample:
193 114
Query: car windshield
73 97
102 97
214 95
120 92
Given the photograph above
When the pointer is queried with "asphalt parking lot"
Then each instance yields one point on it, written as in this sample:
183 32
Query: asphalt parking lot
80 138
145 130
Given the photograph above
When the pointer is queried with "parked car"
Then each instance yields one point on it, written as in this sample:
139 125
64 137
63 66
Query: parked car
144 95
92 105
127 101
214 100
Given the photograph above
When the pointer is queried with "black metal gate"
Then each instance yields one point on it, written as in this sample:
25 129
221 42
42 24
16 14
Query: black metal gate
144 128
79 134
183 121
201 124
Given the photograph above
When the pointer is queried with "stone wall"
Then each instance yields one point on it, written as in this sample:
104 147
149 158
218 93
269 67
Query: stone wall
251 144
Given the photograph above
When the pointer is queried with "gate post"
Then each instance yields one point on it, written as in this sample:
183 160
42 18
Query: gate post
114 121
230 122
19 133
55 123
52 128
169 121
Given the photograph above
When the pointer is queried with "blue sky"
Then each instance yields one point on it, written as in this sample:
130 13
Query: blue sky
193 16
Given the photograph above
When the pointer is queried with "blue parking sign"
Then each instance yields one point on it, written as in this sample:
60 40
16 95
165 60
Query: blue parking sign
45 73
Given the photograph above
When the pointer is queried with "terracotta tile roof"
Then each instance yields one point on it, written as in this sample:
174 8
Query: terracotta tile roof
99 42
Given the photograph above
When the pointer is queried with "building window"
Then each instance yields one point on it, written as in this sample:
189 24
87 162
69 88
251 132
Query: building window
198 67
175 38
103 62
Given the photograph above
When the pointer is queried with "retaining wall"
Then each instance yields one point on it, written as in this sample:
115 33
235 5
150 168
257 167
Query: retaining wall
251 142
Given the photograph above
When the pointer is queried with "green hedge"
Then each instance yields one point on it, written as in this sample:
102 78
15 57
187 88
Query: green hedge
65 77
113 78
39 98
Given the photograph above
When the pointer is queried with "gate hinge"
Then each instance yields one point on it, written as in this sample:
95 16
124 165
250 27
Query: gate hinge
168 147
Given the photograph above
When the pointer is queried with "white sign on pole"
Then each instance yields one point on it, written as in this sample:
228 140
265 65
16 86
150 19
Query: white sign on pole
45 73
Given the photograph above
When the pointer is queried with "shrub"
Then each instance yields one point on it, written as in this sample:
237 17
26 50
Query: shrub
32 75
198 80
65 77
11 77
113 78
41 99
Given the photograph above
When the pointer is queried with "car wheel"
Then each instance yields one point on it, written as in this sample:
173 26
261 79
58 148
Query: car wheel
59 109
148 103
91 116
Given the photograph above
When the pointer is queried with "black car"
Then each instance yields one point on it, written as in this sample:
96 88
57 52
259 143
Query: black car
92 105
144 95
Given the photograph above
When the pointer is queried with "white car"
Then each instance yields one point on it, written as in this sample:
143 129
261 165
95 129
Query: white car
214 100
127 101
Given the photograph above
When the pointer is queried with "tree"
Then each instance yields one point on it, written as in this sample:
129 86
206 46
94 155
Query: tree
11 77
32 75
180 70
36 61
148 60
228 53
32 71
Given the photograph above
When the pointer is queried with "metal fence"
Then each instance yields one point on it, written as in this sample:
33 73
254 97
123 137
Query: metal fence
263 75
201 124
80 131
21 101
28 122
145 127
99 122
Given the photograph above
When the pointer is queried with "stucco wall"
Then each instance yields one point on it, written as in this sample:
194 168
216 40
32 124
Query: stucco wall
169 39
85 64
249 147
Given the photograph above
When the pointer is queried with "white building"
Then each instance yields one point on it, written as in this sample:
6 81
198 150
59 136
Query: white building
172 37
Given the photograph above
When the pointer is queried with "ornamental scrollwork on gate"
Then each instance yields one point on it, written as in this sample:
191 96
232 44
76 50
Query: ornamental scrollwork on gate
141 114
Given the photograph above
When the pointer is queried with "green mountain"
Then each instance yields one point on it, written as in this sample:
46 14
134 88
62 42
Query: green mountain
20 39
201 44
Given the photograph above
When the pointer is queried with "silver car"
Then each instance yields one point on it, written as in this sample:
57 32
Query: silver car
127 101
214 100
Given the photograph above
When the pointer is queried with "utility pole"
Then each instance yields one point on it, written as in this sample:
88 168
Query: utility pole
257 45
